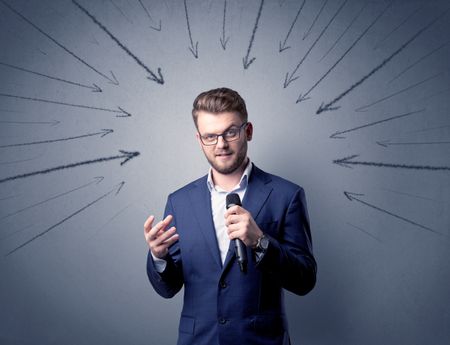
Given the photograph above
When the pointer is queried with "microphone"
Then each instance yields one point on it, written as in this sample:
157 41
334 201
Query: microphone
233 199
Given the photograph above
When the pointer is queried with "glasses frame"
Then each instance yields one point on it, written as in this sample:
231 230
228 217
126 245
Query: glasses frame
223 137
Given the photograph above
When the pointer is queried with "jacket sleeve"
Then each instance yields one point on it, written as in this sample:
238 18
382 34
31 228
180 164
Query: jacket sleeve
290 256
170 281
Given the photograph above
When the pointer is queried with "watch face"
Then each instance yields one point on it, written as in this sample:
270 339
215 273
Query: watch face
264 243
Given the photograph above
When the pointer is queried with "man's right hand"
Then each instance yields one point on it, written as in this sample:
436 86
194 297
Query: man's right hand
158 239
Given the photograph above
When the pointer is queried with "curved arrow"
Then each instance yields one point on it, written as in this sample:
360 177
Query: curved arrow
103 132
124 154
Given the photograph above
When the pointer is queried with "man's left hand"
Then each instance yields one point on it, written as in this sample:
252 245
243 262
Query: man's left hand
241 224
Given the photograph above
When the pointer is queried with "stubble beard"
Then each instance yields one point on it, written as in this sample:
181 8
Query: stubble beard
235 165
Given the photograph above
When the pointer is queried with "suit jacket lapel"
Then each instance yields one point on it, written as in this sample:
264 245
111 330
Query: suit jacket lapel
201 205
258 190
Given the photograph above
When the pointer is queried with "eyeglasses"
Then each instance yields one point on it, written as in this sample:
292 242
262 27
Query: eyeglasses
231 134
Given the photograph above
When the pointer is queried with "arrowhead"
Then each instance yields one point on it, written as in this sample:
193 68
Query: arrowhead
247 63
194 51
120 187
384 143
55 123
158 28
159 80
336 136
224 42
96 88
288 79
327 107
344 161
301 98
123 112
350 196
99 179
106 132
283 47
128 155
114 81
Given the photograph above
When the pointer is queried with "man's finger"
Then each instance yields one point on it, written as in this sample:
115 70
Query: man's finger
165 235
153 233
234 210
148 224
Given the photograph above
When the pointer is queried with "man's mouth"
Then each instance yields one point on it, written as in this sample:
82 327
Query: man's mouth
223 154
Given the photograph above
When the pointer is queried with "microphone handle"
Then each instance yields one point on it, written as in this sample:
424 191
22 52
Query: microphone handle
241 254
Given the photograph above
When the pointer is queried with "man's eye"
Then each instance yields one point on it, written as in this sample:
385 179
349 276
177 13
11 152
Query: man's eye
231 133
209 137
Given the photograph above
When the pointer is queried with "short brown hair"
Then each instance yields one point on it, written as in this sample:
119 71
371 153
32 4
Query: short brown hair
218 101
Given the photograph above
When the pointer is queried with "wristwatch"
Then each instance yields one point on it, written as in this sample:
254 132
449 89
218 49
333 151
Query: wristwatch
262 244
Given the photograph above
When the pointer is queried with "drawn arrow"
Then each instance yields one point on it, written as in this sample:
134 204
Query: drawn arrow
397 27
315 20
348 160
194 50
418 61
245 60
119 111
330 106
344 32
223 40
112 81
124 154
365 107
102 133
283 46
364 231
354 196
98 179
121 12
337 135
153 77
150 16
94 87
386 143
303 97
290 78
116 189
52 123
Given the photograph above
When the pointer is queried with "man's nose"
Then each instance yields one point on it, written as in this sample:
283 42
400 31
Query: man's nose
221 142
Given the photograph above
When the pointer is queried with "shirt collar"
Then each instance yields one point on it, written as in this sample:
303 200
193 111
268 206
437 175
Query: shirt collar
243 182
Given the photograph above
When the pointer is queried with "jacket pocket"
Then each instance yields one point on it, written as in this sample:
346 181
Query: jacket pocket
187 325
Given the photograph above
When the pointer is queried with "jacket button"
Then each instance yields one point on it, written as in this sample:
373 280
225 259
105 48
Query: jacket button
222 321
223 284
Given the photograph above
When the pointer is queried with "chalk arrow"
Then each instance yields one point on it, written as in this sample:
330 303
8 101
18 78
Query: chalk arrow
124 154
223 40
193 48
283 46
355 196
116 189
53 123
102 133
302 98
120 111
156 28
345 162
386 143
245 60
97 179
153 77
337 135
93 87
112 81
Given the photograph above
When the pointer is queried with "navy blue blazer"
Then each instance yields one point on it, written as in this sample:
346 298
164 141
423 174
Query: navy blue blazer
223 305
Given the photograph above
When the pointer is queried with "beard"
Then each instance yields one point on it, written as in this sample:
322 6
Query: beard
228 167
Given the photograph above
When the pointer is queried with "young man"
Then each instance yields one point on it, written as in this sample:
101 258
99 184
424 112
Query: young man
193 246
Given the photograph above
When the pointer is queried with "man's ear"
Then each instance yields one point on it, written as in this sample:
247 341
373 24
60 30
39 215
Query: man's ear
249 131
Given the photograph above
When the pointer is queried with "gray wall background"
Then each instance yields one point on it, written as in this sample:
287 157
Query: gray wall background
383 258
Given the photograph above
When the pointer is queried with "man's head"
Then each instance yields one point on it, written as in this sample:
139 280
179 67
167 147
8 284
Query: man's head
220 116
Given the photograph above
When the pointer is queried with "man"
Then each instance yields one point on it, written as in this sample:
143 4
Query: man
193 246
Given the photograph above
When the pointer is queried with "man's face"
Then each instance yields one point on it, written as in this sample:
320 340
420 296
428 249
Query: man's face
224 157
